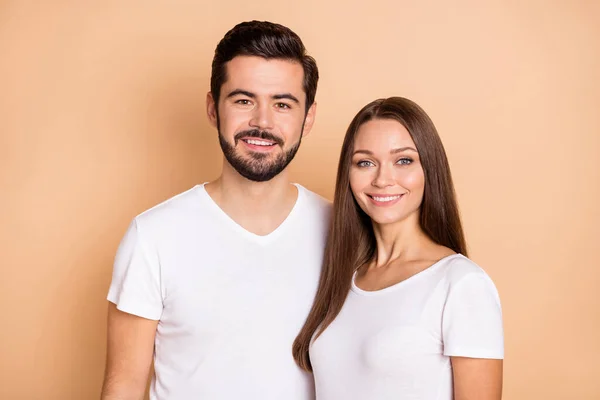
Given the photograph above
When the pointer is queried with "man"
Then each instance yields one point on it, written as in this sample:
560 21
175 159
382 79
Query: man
216 282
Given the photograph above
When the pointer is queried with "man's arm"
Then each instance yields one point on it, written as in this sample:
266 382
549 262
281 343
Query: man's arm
477 378
130 348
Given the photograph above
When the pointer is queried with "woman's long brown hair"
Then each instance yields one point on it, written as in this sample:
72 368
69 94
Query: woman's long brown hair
351 242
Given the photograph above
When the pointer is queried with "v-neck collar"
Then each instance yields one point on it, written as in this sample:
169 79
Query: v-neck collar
230 222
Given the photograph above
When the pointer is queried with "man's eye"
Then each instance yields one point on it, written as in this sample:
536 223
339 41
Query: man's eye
243 102
283 106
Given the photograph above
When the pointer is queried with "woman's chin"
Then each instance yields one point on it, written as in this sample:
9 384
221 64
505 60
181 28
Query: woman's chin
386 218
392 217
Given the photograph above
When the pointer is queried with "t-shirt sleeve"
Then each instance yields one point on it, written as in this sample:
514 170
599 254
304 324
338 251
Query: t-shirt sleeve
136 285
472 319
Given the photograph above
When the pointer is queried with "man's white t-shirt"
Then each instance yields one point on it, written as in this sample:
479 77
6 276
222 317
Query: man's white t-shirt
396 343
229 303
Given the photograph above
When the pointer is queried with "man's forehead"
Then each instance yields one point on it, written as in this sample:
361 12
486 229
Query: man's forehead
264 76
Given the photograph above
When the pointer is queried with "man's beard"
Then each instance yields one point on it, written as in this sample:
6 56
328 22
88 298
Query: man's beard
257 166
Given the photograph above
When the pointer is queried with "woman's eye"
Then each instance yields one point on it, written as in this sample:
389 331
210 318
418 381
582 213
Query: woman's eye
364 163
404 161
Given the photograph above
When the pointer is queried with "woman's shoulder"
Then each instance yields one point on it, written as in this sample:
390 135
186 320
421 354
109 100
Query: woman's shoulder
459 267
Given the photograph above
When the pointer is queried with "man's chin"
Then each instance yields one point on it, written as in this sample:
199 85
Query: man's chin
257 166
251 156
258 176
255 170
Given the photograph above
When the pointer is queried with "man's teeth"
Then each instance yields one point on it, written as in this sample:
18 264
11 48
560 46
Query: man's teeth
387 198
259 142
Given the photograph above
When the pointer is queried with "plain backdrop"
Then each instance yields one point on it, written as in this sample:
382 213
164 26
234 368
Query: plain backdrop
102 115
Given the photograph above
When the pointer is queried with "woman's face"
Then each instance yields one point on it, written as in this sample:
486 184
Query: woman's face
386 176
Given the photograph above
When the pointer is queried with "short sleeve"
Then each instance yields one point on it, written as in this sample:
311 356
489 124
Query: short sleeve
136 285
472 319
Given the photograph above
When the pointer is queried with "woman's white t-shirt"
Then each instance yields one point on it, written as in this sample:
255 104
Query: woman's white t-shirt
396 343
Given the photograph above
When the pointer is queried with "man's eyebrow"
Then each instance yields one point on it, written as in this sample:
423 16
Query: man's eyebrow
393 151
240 91
288 96
279 96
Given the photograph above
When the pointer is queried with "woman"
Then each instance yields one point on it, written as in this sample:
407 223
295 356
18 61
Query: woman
401 312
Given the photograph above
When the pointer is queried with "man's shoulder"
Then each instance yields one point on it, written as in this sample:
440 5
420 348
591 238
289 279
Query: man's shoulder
316 202
315 213
178 206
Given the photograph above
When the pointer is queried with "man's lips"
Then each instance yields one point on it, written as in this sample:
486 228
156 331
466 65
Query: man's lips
258 142
259 145
258 138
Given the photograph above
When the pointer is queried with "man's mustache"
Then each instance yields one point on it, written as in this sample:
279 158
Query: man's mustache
255 133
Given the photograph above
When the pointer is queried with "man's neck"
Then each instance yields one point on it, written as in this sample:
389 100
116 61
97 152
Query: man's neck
259 207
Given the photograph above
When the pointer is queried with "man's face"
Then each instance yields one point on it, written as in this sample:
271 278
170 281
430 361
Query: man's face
261 116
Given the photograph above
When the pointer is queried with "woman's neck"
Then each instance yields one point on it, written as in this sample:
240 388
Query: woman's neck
402 240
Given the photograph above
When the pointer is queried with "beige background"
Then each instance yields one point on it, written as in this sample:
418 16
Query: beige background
102 116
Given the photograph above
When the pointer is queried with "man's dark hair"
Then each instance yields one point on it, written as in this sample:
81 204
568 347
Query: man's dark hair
267 40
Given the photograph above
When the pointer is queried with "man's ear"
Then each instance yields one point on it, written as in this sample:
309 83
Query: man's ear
211 109
310 119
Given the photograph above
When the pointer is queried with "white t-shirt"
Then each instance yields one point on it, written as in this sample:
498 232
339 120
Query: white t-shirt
229 303
396 343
